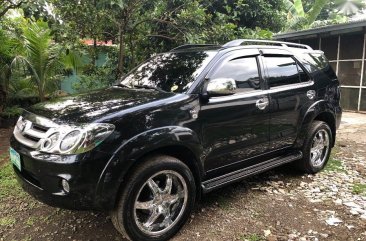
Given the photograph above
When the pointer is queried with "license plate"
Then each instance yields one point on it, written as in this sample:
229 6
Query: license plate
15 158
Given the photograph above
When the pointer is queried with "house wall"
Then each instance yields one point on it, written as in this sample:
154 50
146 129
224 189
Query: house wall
346 54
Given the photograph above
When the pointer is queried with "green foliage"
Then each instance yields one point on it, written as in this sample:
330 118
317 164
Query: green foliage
298 18
142 28
252 237
334 164
7 221
12 111
43 59
303 14
8 183
6 5
95 78
359 188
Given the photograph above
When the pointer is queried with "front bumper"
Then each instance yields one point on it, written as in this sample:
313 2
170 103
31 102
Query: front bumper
41 177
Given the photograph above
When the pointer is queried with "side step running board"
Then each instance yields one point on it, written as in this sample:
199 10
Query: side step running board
220 181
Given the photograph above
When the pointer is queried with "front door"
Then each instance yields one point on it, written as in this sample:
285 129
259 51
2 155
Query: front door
235 128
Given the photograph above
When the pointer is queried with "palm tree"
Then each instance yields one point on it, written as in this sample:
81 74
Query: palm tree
44 59
5 61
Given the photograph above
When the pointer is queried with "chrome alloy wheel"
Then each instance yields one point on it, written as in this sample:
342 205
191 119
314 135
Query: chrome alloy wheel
161 202
319 148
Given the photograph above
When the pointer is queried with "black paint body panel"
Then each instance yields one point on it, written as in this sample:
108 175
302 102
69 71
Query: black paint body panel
221 136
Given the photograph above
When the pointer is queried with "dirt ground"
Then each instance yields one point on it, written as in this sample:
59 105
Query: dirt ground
277 205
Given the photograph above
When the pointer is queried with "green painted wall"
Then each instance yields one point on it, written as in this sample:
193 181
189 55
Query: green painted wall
67 83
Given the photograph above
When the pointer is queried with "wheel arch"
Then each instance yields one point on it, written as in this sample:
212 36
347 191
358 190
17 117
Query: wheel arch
181 152
179 142
328 118
321 111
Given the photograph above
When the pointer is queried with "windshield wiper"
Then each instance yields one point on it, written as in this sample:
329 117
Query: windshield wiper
149 87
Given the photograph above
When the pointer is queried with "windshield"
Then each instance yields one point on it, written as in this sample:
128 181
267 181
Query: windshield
171 72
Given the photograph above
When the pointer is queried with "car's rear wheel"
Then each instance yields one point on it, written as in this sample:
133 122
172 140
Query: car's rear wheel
156 200
317 147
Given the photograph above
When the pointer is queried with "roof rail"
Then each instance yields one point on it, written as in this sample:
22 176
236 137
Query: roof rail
186 46
239 42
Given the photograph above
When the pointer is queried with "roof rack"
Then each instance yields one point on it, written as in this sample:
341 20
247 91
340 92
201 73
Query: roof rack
239 42
186 46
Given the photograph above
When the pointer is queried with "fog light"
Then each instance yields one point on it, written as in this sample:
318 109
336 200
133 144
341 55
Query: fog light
65 185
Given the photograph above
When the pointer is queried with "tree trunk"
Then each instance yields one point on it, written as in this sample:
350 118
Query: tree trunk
132 51
41 93
121 54
95 51
2 98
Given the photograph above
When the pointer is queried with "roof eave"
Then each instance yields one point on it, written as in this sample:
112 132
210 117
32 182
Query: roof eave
327 30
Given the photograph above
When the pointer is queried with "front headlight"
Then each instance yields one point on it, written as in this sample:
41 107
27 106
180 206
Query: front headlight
74 139
70 140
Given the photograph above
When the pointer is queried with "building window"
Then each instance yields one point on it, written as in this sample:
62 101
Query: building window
313 42
351 46
349 73
363 100
349 100
330 47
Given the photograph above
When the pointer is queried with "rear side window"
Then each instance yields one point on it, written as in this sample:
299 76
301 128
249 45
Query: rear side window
315 62
283 71
243 70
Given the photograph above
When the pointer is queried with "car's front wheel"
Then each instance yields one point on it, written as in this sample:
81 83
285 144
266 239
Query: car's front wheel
156 200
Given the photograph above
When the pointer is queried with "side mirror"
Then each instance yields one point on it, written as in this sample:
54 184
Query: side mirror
221 86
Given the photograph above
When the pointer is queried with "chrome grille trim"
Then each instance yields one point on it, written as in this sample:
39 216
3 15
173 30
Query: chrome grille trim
44 128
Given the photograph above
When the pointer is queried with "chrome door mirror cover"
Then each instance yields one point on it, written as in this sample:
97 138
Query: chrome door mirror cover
221 86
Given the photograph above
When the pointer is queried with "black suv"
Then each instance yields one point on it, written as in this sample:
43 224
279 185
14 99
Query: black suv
180 124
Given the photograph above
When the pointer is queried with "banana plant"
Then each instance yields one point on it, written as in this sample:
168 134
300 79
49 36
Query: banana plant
298 17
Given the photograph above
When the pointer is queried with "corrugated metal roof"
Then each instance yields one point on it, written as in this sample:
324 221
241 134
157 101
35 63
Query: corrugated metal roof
354 26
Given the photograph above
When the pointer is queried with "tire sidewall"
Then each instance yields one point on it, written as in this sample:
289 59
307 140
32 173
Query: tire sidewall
319 125
131 192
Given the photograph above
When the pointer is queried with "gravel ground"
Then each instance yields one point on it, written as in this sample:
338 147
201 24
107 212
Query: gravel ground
277 205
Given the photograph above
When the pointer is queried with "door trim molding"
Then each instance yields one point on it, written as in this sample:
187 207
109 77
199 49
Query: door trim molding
214 100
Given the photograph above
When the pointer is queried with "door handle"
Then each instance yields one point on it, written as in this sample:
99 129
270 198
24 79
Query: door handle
262 103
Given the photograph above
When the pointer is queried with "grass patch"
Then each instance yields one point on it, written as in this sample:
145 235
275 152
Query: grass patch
334 164
7 221
8 182
4 157
252 237
359 188
224 203
31 220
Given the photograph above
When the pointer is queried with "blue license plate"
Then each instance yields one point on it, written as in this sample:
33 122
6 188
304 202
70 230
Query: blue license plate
15 158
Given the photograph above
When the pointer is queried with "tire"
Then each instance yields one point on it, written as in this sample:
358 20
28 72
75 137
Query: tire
146 197
310 163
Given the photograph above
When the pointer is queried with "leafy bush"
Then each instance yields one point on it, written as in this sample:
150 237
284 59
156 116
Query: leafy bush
96 77
11 112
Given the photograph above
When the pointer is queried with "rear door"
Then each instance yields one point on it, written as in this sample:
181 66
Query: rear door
291 92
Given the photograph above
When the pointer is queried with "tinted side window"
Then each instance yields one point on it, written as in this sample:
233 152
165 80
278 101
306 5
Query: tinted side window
303 76
281 71
243 70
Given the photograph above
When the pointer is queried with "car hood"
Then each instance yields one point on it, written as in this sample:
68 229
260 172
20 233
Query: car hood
101 105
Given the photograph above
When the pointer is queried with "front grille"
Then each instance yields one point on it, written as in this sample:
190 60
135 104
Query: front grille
32 138
39 128
30 130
